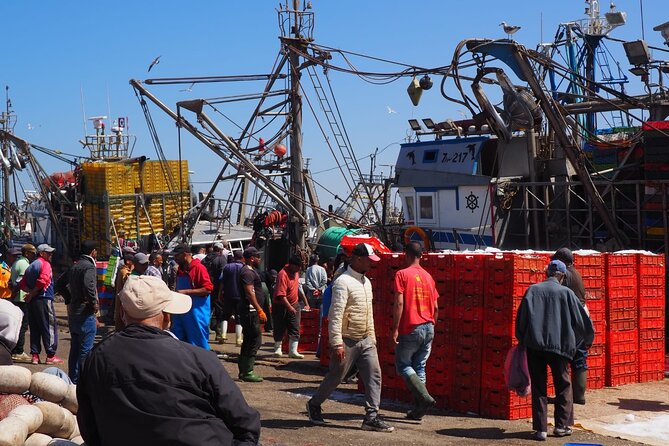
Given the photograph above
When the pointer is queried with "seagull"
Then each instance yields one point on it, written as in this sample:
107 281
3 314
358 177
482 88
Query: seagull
390 110
509 29
155 62
190 88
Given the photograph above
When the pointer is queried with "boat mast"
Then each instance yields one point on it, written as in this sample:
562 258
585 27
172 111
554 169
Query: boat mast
6 126
296 43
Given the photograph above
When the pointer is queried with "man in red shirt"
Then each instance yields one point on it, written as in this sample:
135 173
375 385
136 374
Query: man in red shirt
192 280
286 309
414 314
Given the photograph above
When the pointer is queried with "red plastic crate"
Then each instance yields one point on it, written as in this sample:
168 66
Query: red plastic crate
613 259
503 404
596 377
466 396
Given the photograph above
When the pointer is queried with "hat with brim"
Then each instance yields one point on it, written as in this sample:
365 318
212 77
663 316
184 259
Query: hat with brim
143 297
45 248
365 250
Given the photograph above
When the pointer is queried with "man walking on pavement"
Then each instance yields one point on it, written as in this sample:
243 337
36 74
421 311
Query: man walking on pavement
251 315
286 310
38 283
83 308
215 261
28 254
229 296
353 340
550 324
414 314
579 366
192 280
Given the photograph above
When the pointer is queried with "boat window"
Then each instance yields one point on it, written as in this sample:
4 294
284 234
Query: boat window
430 156
426 207
409 207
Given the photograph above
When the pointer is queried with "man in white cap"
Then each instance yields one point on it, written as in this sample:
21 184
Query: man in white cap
131 393
38 283
353 340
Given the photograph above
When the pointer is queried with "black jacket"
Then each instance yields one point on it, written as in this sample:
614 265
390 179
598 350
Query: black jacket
83 287
551 319
574 282
142 386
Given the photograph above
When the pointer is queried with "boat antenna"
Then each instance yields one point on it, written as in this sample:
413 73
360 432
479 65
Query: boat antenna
643 27
83 109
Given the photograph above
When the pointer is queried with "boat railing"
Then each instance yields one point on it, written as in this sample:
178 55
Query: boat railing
115 146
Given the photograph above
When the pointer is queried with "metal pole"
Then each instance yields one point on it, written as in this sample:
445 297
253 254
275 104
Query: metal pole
296 161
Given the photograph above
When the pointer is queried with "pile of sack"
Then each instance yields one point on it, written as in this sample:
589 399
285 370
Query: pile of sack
37 409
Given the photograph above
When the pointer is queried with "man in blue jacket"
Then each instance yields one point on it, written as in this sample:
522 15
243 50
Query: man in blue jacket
551 323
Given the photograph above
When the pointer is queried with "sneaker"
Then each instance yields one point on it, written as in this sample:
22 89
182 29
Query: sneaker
562 431
295 355
539 436
53 360
315 415
35 359
23 357
376 424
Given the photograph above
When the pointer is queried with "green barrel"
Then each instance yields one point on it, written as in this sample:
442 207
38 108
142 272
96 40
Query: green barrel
330 239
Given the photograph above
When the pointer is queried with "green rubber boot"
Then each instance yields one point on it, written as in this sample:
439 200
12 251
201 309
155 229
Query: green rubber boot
246 370
422 398
578 385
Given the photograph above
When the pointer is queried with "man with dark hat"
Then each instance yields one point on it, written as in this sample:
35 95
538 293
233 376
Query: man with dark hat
83 307
192 280
286 309
550 324
251 315
579 366
353 340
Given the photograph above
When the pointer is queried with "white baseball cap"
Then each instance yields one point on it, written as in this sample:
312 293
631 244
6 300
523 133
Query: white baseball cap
143 297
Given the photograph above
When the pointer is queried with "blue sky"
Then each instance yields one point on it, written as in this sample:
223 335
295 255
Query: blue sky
55 50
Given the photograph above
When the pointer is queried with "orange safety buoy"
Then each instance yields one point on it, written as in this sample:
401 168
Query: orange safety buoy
411 230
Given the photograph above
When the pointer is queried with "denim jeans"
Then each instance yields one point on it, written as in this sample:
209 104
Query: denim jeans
82 330
413 349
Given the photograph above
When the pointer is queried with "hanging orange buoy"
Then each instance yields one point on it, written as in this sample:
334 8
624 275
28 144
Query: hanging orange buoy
280 150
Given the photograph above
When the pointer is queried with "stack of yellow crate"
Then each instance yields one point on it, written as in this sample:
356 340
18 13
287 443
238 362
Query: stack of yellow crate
113 194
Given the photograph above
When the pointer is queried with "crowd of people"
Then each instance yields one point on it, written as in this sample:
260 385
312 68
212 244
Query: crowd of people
167 303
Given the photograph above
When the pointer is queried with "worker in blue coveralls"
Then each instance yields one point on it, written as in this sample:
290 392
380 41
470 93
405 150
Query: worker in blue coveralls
192 280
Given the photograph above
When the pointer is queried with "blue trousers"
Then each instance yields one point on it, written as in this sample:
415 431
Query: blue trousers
412 351
43 326
82 329
193 327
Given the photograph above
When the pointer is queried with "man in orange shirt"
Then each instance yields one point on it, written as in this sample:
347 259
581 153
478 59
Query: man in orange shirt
286 310
414 315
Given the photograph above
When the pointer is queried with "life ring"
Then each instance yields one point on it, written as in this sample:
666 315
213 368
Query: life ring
411 230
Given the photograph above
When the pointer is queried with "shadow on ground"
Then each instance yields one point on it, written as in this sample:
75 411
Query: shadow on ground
484 433
640 405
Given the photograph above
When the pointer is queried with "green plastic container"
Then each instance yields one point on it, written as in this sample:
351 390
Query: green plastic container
330 240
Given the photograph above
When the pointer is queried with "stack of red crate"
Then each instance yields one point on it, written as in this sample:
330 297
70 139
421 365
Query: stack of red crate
651 306
507 277
382 276
467 322
592 267
622 335
440 366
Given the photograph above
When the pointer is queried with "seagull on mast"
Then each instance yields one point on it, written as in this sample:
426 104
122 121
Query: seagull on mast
155 62
509 29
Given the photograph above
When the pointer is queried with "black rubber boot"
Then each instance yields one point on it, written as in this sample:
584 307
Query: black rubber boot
423 400
578 385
